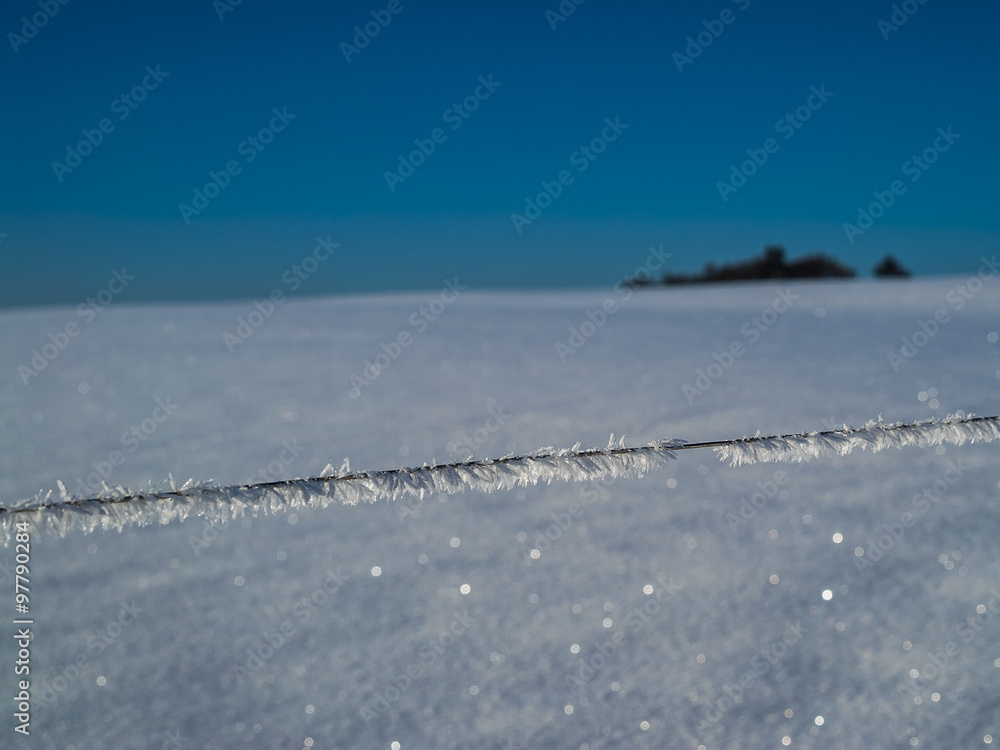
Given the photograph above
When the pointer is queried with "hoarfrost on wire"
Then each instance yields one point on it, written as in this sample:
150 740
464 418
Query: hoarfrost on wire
117 508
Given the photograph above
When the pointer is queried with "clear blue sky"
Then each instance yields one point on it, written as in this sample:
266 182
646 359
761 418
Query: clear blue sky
216 82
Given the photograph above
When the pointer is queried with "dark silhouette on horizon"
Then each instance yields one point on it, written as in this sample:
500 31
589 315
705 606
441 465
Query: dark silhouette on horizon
890 268
770 265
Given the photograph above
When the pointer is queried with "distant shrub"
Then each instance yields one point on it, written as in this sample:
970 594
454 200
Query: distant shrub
770 265
889 267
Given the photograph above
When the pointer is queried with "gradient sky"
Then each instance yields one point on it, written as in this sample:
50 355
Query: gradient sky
324 174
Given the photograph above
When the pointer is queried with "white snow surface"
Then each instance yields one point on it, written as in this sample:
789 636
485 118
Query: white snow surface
698 605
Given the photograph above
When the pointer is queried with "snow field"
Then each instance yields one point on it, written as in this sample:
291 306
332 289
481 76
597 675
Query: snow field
649 619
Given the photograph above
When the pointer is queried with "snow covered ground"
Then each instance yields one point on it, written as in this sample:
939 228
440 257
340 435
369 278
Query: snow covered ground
764 606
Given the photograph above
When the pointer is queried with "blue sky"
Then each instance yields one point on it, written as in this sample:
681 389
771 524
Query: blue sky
208 84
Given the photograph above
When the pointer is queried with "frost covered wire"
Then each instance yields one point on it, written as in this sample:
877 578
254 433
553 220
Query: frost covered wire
117 508
874 436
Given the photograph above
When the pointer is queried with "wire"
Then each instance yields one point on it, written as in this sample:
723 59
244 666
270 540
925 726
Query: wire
119 507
